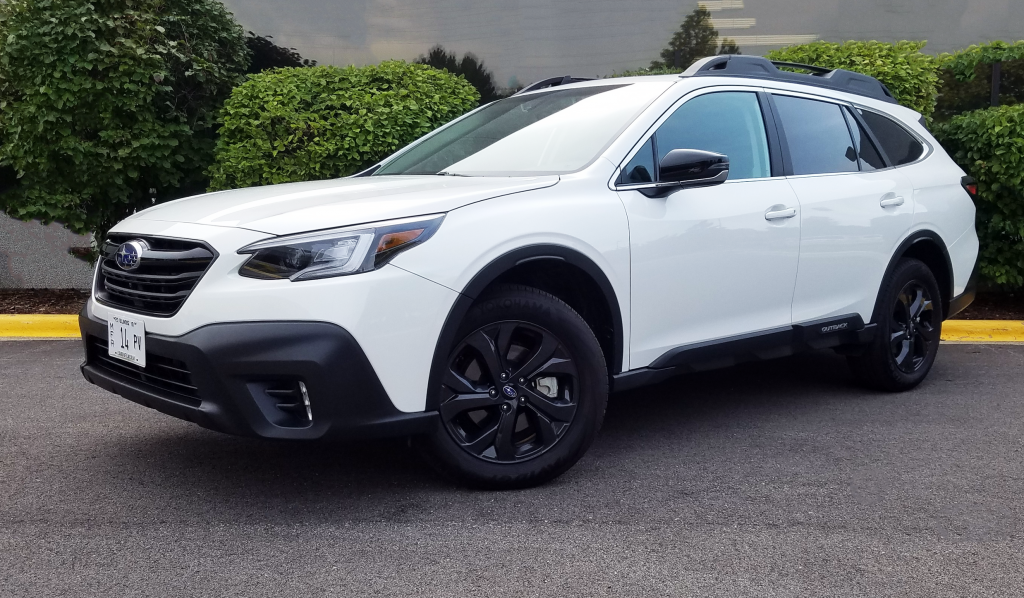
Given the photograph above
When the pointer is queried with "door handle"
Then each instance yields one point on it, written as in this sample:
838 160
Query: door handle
891 202
779 214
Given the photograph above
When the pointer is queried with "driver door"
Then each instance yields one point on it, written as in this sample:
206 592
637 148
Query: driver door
710 263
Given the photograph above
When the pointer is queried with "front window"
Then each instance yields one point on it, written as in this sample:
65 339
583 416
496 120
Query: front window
550 132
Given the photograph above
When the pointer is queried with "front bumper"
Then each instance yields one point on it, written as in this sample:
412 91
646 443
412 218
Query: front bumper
235 378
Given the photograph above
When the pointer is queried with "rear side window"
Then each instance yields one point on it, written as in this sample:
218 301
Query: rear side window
900 146
819 140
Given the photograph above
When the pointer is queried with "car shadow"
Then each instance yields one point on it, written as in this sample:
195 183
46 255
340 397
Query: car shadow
188 470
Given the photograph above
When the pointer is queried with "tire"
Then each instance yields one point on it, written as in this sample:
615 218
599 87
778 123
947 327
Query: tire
523 392
909 318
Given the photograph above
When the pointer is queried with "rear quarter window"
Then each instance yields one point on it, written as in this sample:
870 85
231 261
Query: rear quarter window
898 144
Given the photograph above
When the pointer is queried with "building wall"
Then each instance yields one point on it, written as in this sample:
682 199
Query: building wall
36 256
532 39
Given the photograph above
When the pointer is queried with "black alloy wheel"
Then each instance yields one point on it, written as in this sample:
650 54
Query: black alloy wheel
522 392
510 392
913 327
908 313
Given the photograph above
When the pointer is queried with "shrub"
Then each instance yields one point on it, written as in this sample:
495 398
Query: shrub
989 145
107 106
910 75
325 122
967 78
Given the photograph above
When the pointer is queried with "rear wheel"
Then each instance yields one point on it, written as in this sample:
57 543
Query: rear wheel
523 392
909 326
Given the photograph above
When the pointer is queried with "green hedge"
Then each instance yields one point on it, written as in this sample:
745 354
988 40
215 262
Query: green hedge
107 106
910 75
989 145
967 78
300 124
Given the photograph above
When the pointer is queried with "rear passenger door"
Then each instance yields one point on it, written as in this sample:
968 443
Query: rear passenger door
854 209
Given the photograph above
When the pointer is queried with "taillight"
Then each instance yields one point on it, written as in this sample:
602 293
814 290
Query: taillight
970 186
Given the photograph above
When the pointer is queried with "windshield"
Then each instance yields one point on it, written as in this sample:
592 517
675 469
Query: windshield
552 132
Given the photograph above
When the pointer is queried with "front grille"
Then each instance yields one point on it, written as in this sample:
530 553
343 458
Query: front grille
166 274
161 373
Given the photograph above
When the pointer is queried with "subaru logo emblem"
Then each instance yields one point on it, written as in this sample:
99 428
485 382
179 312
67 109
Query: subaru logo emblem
129 254
509 392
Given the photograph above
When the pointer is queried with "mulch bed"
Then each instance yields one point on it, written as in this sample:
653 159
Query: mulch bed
988 306
42 301
995 306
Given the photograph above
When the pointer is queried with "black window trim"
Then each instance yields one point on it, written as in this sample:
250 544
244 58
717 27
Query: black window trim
769 125
852 121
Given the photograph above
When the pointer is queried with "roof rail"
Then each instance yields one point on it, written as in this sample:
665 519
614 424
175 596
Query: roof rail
551 82
757 67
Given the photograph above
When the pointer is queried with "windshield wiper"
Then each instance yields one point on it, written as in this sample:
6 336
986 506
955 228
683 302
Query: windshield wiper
444 173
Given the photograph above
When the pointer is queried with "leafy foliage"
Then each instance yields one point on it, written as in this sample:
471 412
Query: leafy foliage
695 39
268 55
470 68
324 122
962 63
107 106
957 96
910 75
649 71
989 145
967 78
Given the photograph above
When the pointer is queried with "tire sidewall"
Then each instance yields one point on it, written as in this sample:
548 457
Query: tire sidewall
543 310
906 271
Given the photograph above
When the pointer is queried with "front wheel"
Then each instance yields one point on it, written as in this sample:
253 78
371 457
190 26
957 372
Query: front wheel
909 326
523 392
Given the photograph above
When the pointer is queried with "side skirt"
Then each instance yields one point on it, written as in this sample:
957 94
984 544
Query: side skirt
848 330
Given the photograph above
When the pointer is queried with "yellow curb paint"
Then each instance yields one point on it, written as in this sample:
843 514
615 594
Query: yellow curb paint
39 326
954 331
983 331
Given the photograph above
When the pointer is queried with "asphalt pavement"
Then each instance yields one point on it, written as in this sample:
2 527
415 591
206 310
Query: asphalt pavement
771 479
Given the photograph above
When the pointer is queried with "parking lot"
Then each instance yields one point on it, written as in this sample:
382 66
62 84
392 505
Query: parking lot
777 478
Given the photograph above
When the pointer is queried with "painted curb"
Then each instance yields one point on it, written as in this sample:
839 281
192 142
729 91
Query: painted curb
983 331
953 331
39 326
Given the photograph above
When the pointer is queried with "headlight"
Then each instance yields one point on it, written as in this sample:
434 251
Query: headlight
336 252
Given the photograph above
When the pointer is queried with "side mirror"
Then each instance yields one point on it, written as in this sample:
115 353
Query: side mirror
691 168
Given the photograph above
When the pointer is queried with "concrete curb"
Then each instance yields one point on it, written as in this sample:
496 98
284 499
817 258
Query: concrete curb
39 326
983 331
953 331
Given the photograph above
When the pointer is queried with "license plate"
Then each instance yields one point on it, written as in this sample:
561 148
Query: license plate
126 339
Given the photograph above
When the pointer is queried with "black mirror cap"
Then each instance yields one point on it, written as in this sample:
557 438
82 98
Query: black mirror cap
693 167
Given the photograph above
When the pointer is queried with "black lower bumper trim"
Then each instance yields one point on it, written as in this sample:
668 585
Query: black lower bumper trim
240 371
836 333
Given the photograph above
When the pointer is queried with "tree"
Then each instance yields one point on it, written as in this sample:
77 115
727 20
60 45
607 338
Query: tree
472 69
109 106
695 39
268 55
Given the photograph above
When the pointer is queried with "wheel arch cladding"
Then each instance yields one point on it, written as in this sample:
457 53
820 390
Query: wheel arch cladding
563 272
928 247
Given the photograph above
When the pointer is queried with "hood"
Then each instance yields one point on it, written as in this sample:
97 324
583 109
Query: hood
299 207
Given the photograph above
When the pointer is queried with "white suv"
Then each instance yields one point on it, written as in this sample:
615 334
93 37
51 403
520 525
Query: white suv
485 288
